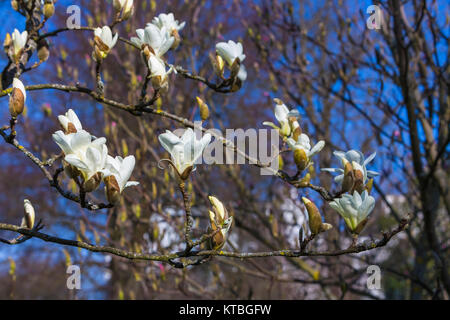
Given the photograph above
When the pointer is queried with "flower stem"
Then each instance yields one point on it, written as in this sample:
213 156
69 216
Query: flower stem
189 221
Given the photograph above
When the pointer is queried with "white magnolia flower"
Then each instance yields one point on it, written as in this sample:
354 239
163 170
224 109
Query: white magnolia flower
168 21
356 158
19 41
18 98
88 156
125 5
104 41
70 122
116 179
159 74
159 40
184 150
29 215
303 143
121 169
354 209
282 114
230 51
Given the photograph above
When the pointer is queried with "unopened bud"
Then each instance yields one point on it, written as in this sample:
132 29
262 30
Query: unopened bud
325 227
301 159
304 182
15 5
49 10
17 98
204 109
218 65
29 215
43 52
7 42
315 219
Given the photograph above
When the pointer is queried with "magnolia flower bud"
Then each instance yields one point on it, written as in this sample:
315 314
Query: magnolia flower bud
17 98
204 109
7 42
348 180
301 159
49 9
15 5
218 240
43 52
112 189
29 215
218 64
315 220
93 182
325 227
304 182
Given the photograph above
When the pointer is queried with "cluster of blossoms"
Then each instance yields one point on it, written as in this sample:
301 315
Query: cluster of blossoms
292 133
158 37
87 157
354 178
358 181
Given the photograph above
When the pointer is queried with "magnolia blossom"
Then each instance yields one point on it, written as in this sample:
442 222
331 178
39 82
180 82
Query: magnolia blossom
356 158
121 169
126 6
18 98
168 21
159 40
159 74
184 150
303 143
104 42
29 215
70 122
303 151
354 209
283 115
230 51
88 156
19 41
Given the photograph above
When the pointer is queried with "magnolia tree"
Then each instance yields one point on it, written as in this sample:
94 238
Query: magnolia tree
140 190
